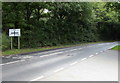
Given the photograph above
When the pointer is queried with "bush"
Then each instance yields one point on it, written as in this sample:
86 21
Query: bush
5 42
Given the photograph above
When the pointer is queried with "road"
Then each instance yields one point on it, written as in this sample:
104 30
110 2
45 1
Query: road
100 67
33 67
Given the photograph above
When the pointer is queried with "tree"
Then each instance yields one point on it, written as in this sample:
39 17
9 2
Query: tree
55 23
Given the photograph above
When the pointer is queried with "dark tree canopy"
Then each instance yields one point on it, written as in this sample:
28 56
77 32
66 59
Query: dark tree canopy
55 23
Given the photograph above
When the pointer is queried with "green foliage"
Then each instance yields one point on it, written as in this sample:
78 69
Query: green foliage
107 18
102 13
56 23
110 33
5 42
116 47
114 7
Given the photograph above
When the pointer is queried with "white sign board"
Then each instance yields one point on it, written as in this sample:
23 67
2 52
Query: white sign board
14 32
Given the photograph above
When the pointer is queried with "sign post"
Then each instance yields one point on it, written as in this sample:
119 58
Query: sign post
15 33
11 43
18 42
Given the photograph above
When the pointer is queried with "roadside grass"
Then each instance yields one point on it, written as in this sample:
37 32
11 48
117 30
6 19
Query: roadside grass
27 50
116 47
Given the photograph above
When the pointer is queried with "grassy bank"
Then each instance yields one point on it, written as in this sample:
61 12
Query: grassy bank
27 50
20 51
116 47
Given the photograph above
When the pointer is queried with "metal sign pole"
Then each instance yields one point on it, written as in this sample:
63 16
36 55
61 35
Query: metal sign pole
18 42
11 44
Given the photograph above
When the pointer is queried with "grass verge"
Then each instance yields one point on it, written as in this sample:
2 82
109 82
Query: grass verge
27 50
116 47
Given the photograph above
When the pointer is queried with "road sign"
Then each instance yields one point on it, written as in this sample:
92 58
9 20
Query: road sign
14 32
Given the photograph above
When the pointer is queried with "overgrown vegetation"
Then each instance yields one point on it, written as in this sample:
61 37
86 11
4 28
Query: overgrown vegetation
60 23
116 47
6 42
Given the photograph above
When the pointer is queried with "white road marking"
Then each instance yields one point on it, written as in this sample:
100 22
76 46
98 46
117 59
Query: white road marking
38 78
13 57
101 51
23 57
101 44
12 62
59 69
73 50
55 53
107 43
0 64
91 55
8 56
96 53
41 56
74 63
27 57
111 47
48 52
83 59
80 48
51 54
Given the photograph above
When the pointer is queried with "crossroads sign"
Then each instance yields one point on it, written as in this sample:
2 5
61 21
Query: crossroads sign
14 32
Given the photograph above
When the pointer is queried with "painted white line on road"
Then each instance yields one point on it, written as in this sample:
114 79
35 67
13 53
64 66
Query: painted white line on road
80 48
74 63
111 47
8 56
54 53
28 57
91 55
83 59
107 43
12 62
101 44
38 78
73 50
41 56
0 64
96 53
101 51
59 69
51 54
44 53
14 57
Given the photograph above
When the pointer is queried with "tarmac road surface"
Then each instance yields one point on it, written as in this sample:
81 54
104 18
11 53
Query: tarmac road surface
38 66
